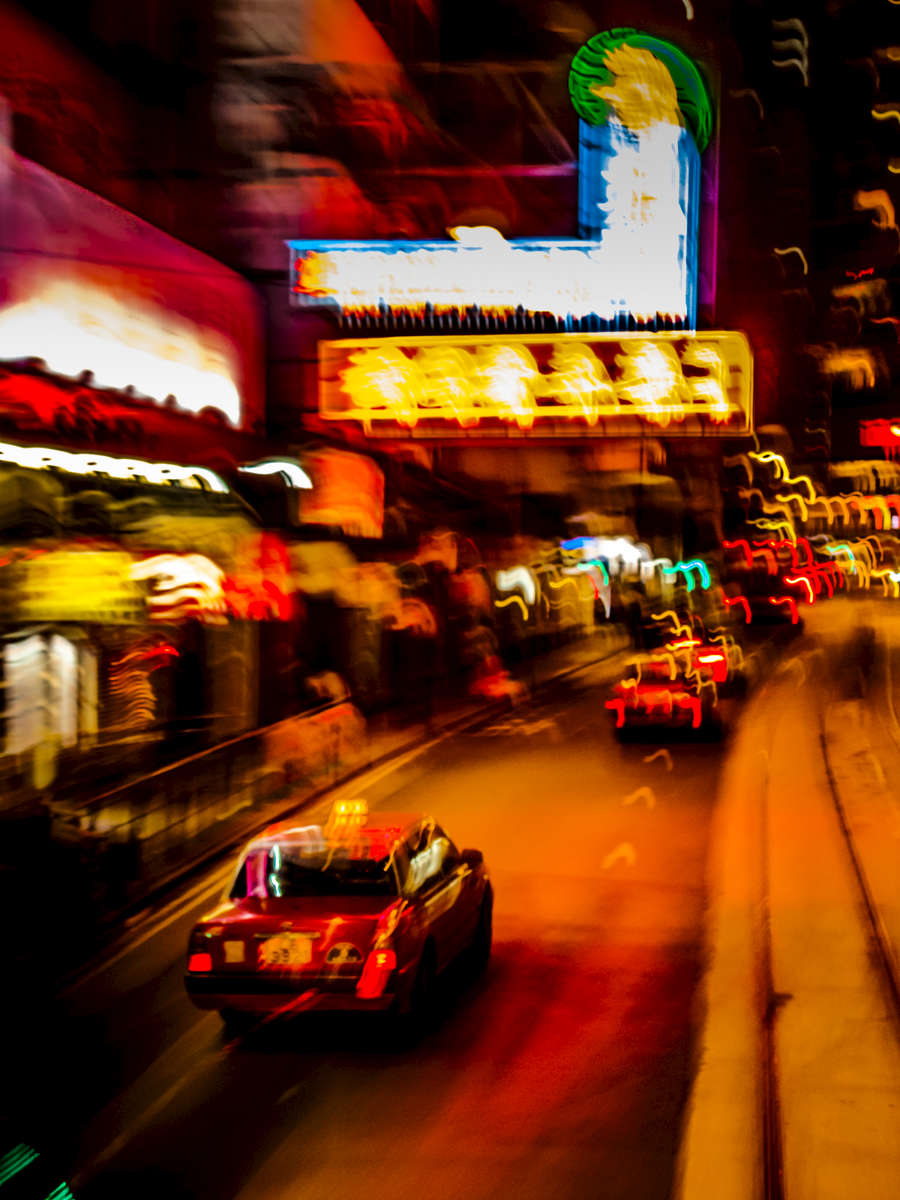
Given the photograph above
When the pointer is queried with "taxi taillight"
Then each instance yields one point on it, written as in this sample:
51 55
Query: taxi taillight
201 961
378 969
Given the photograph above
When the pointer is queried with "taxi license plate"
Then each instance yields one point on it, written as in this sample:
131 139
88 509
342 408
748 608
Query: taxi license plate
285 950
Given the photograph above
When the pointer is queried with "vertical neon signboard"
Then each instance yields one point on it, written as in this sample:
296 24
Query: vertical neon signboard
645 116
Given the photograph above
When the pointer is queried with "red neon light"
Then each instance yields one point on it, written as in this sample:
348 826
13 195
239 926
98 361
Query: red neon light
880 433
741 544
802 579
792 606
791 548
771 561
730 602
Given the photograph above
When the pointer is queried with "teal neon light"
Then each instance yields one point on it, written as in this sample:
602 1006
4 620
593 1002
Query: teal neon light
695 564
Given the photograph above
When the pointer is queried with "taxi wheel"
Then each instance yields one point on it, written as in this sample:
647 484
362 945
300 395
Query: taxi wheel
484 934
421 999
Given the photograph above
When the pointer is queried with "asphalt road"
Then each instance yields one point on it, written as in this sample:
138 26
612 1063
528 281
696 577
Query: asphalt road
562 1072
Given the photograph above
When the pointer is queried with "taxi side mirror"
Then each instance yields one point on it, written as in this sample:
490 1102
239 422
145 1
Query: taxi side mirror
472 858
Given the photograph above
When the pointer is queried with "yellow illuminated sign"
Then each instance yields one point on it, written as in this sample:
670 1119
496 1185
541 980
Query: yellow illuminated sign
681 383
74 585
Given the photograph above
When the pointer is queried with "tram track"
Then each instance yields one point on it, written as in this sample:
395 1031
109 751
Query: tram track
881 940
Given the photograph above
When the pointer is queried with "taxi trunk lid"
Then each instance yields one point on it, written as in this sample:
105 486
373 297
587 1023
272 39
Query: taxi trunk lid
310 936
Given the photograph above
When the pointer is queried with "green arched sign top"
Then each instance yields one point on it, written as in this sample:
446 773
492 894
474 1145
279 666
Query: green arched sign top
589 69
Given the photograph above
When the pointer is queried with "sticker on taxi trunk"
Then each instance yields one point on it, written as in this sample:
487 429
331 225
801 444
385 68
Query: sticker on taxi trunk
285 950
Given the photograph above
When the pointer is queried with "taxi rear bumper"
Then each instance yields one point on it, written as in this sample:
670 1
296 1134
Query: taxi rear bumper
264 994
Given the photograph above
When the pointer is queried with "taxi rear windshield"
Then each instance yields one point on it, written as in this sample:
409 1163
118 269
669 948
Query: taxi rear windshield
305 871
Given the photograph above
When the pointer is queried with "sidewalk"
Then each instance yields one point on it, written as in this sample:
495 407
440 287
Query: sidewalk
790 969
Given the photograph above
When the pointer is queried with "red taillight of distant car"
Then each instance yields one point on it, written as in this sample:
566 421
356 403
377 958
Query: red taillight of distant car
200 962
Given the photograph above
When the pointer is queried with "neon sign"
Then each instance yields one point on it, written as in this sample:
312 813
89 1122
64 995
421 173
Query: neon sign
569 280
75 327
685 383
41 458
645 118
883 433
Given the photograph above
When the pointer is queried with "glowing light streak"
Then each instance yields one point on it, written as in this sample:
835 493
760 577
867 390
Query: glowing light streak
793 250
777 547
43 458
517 577
558 583
623 853
885 114
618 707
893 576
60 1192
678 626
765 549
881 203
15 1161
749 92
644 793
513 600
695 564
882 512
791 603
863 548
739 460
741 544
377 379
292 473
798 46
802 579
798 479
769 456
857 364
775 526
662 753
731 601
795 497
843 548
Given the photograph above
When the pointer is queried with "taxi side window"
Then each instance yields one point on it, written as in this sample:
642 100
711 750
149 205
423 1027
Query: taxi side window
428 848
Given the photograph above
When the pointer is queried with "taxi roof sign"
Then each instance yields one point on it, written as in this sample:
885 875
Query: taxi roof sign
348 814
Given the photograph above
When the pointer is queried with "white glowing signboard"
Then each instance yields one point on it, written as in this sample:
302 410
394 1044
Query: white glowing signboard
567 279
551 384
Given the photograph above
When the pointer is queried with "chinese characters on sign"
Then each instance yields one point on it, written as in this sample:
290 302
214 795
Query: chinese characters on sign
618 384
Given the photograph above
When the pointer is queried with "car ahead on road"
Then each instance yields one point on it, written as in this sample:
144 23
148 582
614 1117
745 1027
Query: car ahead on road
655 693
362 913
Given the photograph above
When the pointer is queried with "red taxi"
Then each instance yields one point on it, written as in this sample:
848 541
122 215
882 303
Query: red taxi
361 913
